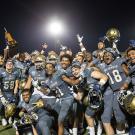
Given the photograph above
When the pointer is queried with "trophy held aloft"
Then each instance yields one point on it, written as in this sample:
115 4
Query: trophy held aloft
11 45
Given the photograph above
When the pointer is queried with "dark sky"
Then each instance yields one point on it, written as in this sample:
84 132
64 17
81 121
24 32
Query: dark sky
91 18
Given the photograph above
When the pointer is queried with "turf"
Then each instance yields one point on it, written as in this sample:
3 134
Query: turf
7 130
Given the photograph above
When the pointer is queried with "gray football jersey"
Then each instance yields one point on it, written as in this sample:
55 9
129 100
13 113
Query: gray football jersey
29 107
90 80
57 82
115 73
37 75
132 75
8 80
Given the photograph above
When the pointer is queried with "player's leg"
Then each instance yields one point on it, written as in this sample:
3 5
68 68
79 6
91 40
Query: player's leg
107 113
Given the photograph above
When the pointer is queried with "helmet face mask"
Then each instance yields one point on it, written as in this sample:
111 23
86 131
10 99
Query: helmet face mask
95 99
127 100
122 96
39 65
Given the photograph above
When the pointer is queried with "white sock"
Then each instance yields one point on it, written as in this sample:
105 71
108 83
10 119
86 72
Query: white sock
99 129
74 131
120 132
91 130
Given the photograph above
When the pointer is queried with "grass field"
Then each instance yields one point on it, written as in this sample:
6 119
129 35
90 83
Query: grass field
7 130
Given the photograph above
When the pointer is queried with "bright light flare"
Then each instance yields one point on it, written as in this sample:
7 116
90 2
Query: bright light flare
55 28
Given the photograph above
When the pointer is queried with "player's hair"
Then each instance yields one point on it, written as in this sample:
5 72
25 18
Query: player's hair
66 56
129 49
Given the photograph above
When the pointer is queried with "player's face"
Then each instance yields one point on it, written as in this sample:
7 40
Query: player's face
22 57
76 71
131 55
100 55
108 58
1 60
65 63
9 66
88 57
49 69
26 96
79 59
101 45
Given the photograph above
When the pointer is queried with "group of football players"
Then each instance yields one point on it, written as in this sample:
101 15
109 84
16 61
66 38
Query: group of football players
68 94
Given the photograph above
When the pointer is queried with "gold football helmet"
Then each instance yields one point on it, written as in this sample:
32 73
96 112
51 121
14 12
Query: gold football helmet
113 34
126 99
10 110
40 57
40 61
129 104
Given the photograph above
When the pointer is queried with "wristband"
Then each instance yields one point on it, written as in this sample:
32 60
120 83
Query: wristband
102 82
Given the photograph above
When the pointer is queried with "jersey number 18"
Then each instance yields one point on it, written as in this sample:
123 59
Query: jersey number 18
116 76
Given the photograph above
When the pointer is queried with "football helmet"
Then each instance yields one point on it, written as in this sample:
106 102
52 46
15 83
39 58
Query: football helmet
113 35
40 62
10 110
126 99
129 104
95 97
122 95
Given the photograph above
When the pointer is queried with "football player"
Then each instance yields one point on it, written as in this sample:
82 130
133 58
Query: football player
116 71
9 82
37 108
37 74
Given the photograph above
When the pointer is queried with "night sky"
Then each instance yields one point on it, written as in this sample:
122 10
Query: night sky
26 20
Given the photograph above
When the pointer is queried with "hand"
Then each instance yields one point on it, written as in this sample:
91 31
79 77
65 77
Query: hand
39 103
79 38
124 86
35 83
44 45
4 101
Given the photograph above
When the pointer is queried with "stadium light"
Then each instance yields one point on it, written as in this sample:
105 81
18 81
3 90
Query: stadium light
55 28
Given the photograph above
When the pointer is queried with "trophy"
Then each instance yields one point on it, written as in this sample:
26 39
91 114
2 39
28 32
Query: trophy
113 36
